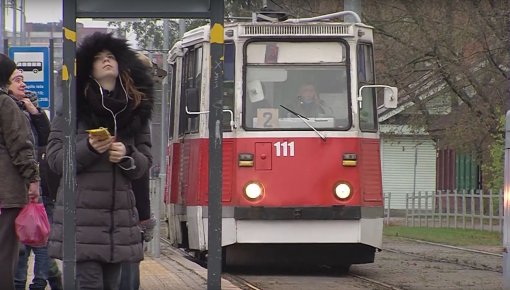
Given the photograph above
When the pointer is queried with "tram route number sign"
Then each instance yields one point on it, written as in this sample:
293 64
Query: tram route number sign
34 63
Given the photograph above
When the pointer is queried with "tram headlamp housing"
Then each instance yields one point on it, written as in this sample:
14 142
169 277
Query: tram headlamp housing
342 191
253 190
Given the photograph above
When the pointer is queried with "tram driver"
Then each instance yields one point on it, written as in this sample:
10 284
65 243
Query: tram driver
309 103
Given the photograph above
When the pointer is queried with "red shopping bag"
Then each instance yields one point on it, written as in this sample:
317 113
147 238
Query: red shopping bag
32 226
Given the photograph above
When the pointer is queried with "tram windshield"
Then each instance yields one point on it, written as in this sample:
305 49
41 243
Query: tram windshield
308 78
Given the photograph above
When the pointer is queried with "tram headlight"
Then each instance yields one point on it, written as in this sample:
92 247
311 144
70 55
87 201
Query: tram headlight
253 190
342 191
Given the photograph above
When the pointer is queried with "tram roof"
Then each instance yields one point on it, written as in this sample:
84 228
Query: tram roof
283 29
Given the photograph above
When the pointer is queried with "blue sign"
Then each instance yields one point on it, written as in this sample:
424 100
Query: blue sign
34 62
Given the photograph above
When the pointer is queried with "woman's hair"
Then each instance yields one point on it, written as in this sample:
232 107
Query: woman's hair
131 89
134 75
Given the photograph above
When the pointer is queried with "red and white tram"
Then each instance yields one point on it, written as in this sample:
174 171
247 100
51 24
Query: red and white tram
301 158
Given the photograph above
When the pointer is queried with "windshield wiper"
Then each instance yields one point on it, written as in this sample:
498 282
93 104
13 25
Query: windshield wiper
305 119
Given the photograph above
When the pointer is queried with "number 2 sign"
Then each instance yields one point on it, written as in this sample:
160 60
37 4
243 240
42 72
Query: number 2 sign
267 118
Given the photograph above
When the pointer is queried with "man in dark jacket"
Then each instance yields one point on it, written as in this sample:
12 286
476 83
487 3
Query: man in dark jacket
19 172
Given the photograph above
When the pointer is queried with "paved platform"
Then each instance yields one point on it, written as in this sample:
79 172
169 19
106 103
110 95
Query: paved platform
173 271
170 271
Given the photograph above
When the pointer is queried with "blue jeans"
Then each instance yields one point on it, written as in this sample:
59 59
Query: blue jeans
44 267
130 276
40 268
92 275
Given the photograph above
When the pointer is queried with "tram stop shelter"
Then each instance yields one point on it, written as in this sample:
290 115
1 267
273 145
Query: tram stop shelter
211 9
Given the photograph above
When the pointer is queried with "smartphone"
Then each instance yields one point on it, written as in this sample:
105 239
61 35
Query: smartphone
101 133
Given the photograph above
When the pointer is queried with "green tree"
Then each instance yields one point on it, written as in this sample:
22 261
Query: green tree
456 52
149 32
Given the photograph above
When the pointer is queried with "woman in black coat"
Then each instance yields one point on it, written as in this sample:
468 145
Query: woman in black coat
114 90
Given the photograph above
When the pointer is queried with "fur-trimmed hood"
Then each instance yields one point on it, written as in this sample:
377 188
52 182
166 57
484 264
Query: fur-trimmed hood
128 62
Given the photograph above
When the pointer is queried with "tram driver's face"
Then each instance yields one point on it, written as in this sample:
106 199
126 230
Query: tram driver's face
307 94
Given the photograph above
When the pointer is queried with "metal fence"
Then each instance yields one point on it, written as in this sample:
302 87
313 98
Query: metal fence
467 209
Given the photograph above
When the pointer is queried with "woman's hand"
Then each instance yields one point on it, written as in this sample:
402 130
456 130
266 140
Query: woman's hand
100 146
117 151
29 106
33 191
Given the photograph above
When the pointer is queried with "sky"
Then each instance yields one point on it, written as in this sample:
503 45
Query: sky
43 11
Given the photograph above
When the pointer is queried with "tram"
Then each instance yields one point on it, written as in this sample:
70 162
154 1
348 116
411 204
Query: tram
301 148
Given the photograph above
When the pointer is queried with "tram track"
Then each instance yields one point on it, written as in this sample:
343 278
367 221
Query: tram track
367 276
375 282
248 285
429 256
454 247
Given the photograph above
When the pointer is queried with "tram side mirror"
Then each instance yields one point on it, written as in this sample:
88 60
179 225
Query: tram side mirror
192 102
390 97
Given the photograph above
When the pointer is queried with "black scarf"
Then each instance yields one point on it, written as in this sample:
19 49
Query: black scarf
115 101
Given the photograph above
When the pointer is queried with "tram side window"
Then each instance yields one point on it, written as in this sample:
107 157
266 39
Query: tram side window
228 84
172 93
192 76
183 117
196 82
366 76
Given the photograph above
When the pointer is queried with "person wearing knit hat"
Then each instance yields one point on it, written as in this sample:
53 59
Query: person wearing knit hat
40 125
19 172
114 91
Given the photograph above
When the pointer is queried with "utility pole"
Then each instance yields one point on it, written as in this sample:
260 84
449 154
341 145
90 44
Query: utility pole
214 214
182 27
506 207
354 6
69 115
164 141
14 22
2 24
22 23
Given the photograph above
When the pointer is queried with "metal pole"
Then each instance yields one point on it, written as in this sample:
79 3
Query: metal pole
215 147
14 22
52 77
415 167
163 149
182 27
506 202
69 114
354 6
2 24
22 23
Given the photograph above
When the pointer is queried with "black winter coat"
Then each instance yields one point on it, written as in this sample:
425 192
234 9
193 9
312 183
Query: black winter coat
106 217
